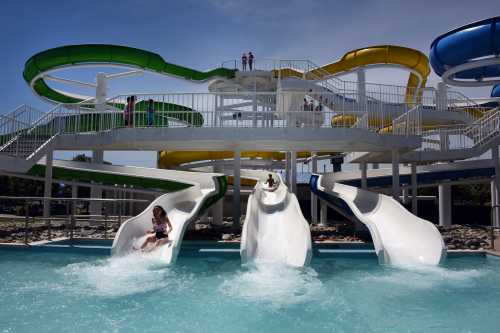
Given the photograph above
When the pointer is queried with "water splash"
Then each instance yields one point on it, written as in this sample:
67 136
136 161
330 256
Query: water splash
120 276
273 283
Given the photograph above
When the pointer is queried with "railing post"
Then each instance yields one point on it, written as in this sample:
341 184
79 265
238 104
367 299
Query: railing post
26 220
72 221
120 213
105 224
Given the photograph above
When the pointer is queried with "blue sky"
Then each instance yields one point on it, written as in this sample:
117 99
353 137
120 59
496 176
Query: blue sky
201 34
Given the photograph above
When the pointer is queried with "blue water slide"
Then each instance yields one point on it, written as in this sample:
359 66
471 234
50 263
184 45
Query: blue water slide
472 41
495 92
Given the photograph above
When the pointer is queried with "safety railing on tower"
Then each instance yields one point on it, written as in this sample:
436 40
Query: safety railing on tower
460 137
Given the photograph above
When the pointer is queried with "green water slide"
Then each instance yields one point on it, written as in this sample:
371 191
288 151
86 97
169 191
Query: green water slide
130 176
50 60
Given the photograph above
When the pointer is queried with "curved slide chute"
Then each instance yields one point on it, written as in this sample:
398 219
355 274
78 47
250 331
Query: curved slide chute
399 237
408 58
47 61
468 55
182 206
170 159
495 91
189 194
275 229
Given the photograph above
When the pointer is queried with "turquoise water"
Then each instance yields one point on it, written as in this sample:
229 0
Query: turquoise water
48 292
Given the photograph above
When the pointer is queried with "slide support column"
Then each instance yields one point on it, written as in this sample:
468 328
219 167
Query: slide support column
323 217
494 202
293 173
363 166
444 204
314 199
218 209
395 175
47 188
414 189
361 89
236 188
496 181
442 96
96 191
287 169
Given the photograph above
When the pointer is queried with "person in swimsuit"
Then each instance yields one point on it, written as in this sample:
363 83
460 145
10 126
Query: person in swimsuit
270 181
161 228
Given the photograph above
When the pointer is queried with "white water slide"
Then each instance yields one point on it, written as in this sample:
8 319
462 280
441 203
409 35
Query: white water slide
189 195
275 229
399 237
182 206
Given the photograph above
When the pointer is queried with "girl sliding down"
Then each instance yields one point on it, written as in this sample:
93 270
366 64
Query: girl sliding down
161 228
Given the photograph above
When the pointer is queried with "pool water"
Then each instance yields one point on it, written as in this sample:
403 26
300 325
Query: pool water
52 292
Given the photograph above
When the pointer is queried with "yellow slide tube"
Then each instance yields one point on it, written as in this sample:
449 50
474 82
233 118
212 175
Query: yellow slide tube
169 159
405 57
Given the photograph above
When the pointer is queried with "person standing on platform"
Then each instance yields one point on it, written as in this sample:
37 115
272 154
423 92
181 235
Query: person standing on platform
250 60
151 112
244 61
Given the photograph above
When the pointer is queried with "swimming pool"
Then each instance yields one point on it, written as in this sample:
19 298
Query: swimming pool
49 292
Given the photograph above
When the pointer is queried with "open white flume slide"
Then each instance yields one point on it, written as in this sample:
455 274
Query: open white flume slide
399 237
275 229
182 207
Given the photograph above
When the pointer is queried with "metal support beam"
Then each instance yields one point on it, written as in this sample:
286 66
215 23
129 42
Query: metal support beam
217 210
95 207
236 188
287 169
361 89
395 175
444 204
414 189
314 199
364 183
293 173
442 96
496 180
494 203
47 188
323 217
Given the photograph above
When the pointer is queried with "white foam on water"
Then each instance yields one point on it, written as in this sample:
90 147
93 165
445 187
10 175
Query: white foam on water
274 283
118 276
424 277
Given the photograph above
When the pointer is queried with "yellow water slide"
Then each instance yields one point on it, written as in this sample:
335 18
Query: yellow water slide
170 159
413 60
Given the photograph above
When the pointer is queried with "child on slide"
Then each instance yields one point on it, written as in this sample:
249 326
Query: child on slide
271 183
161 228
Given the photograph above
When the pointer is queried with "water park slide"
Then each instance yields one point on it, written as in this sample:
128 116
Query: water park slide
274 229
399 237
170 159
411 59
189 195
478 40
102 54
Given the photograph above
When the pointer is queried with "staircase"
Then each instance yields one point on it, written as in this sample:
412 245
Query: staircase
25 135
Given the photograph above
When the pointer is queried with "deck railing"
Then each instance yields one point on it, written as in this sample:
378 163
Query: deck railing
71 219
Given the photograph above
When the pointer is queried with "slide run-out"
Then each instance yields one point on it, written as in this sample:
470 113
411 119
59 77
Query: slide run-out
275 229
399 237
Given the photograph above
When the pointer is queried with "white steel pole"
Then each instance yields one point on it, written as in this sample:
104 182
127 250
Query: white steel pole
47 189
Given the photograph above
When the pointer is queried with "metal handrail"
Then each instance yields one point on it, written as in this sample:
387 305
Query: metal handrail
71 216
